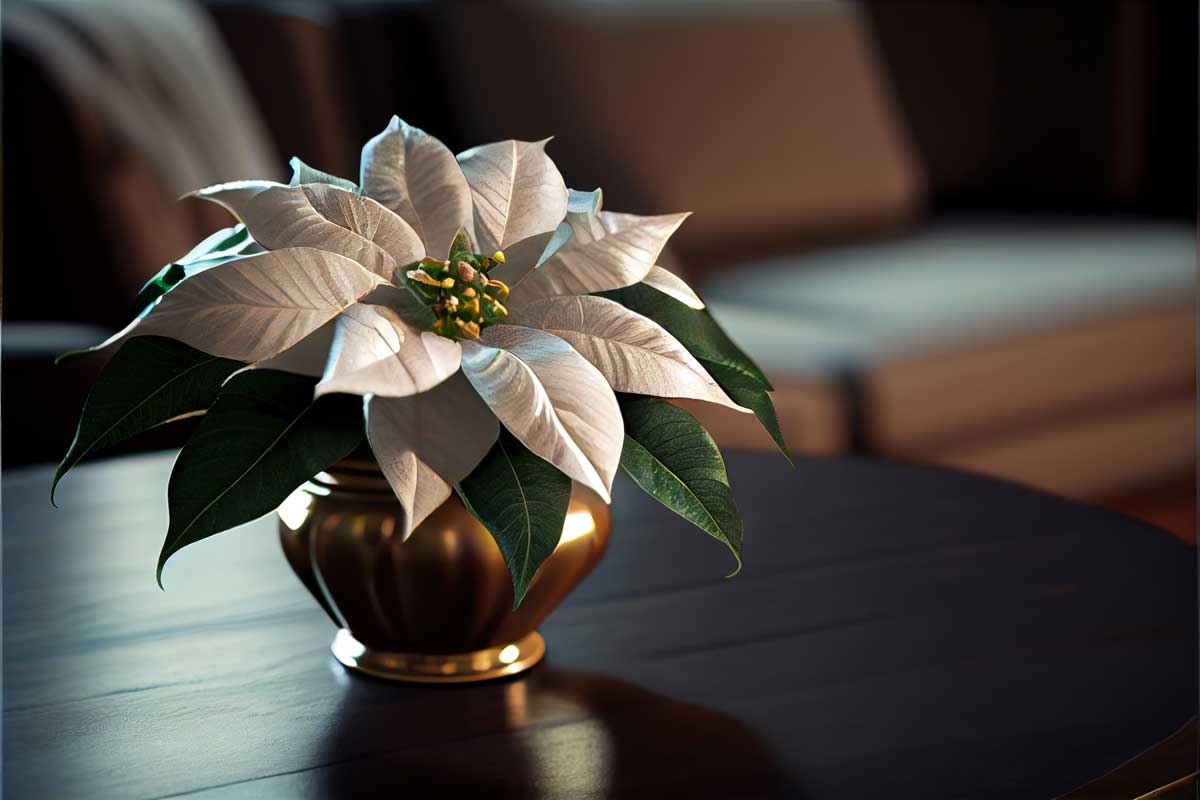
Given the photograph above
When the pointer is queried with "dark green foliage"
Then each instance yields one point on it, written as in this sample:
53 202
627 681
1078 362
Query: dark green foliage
522 500
460 250
695 328
729 365
747 392
151 380
262 439
670 456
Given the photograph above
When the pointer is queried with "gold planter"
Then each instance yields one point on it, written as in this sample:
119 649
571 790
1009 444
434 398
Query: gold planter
436 608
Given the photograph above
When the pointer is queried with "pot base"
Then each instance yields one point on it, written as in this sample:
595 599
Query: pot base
480 665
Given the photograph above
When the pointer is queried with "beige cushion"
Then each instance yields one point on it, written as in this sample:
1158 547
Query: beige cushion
1026 349
957 283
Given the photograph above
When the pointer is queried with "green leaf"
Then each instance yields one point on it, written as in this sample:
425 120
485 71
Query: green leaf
150 380
460 244
729 365
159 285
696 328
262 438
303 173
748 393
522 500
460 250
670 456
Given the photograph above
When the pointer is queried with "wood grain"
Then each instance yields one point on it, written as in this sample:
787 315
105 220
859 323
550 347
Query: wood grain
897 632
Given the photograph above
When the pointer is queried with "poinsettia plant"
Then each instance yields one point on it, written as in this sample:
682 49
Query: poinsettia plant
476 324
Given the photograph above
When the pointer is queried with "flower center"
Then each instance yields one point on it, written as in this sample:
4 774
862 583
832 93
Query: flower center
463 298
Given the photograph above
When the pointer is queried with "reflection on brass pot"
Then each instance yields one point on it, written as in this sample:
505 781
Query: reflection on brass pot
434 608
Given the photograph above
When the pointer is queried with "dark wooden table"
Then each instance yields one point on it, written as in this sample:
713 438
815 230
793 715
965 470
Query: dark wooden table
897 632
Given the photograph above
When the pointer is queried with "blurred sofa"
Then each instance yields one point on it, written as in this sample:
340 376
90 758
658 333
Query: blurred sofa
952 233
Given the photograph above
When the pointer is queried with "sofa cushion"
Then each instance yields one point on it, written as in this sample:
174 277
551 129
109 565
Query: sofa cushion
976 342
951 285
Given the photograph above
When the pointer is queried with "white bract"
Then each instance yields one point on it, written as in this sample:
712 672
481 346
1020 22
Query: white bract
334 298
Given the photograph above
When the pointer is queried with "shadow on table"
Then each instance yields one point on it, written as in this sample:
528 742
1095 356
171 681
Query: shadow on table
549 734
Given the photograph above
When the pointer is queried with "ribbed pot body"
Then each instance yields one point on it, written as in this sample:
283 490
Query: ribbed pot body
443 590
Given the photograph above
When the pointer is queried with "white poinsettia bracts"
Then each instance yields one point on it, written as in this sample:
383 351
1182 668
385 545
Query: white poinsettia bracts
455 294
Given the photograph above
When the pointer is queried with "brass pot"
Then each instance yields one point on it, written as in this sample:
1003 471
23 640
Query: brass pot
437 607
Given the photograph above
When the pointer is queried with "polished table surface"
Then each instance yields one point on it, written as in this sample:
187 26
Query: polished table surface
897 632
